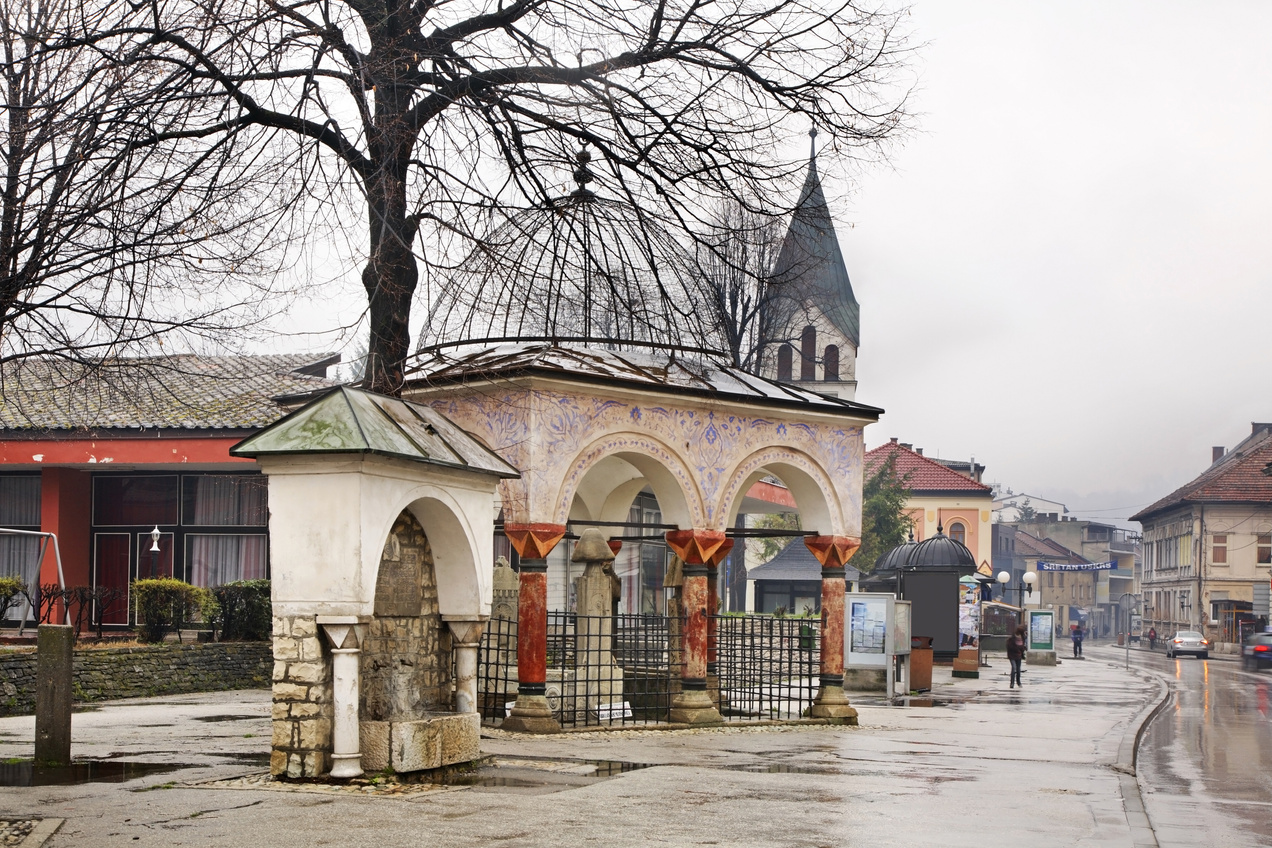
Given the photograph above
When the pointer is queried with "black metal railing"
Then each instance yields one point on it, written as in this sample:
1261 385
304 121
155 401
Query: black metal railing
626 669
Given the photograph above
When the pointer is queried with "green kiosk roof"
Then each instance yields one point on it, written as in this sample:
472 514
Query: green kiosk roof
351 421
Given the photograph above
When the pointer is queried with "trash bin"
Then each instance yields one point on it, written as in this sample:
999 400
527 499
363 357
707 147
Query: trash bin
1121 639
921 663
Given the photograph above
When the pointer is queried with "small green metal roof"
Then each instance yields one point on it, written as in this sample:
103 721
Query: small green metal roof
347 420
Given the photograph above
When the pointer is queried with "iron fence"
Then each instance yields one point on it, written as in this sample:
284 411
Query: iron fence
626 669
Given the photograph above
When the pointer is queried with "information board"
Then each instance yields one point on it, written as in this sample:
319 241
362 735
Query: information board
900 628
1042 630
866 629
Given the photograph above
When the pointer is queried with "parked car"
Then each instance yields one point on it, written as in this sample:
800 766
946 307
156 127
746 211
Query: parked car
1188 642
1256 651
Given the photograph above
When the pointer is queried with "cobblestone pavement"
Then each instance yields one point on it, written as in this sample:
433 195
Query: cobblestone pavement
981 766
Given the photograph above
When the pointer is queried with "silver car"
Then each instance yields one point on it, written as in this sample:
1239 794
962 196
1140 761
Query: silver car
1188 642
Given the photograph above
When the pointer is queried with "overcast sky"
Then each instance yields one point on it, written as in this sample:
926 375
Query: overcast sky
1066 272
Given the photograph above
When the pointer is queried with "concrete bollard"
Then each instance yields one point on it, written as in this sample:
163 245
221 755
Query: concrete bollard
55 644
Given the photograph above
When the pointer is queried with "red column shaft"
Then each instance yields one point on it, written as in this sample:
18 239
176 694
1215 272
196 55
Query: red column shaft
713 624
832 625
695 634
532 627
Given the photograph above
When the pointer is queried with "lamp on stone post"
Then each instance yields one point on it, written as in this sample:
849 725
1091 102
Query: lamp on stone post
154 551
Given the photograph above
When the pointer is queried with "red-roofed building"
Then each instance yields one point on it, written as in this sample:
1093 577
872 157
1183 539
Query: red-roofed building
941 497
1209 542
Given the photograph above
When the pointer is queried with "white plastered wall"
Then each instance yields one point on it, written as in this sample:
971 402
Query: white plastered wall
330 516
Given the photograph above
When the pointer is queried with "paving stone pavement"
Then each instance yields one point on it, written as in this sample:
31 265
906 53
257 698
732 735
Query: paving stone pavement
983 766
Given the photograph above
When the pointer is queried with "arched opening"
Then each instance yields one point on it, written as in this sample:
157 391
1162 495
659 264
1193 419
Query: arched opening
785 355
958 532
405 661
830 364
808 353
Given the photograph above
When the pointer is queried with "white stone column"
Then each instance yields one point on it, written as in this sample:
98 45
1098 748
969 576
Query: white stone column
345 632
466 636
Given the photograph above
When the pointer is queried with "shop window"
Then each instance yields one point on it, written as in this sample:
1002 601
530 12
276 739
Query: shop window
19 554
1219 549
224 558
213 500
958 533
1264 548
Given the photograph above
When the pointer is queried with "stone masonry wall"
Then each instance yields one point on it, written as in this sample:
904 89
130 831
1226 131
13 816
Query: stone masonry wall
303 709
110 673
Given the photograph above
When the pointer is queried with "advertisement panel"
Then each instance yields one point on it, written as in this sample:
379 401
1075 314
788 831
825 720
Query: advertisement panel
1042 630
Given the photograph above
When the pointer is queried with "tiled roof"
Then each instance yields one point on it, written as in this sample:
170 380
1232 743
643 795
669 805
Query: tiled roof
795 562
922 474
1029 545
697 372
1237 477
183 391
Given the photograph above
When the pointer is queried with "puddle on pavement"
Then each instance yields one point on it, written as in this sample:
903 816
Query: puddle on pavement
217 718
84 771
541 775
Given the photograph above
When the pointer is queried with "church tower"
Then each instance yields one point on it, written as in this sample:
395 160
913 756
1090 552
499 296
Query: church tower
813 321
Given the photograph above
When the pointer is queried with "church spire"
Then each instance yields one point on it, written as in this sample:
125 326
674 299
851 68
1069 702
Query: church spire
810 260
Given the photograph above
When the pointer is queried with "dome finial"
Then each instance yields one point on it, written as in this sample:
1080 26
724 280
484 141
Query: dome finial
582 174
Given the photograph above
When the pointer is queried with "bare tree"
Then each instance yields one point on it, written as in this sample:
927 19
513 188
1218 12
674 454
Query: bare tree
438 116
110 243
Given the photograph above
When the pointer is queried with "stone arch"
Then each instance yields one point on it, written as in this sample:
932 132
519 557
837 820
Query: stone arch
405 660
809 483
666 473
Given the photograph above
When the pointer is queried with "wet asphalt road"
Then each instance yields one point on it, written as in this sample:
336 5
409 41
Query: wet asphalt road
1205 761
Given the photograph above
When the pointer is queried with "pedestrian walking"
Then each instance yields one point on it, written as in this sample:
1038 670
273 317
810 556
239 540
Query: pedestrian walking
1152 638
1016 653
1076 635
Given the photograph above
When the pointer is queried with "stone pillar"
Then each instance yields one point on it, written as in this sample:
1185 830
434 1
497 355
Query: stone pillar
695 547
466 639
345 633
600 680
55 652
533 542
833 552
713 624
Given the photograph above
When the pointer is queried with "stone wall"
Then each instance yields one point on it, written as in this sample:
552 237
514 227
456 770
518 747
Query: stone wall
302 699
110 673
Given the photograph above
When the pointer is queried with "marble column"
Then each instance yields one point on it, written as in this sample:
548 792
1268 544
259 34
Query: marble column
345 633
533 542
833 552
693 704
465 640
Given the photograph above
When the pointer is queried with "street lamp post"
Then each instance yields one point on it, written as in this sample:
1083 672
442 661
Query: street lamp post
1126 610
1026 584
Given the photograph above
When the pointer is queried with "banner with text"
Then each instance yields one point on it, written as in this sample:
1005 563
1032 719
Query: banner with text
1077 566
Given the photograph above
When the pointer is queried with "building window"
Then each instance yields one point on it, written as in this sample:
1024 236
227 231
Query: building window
1264 548
1219 549
958 533
808 353
20 510
830 364
784 356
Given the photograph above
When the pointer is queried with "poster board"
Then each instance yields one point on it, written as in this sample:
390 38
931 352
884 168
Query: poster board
866 621
900 628
1042 630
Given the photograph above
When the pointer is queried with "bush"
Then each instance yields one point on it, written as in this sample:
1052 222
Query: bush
12 593
241 610
163 605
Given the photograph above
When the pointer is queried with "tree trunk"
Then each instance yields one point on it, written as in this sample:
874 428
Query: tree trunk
390 278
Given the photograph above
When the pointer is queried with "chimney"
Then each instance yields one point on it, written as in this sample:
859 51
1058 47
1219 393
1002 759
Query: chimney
919 451
1256 428
894 440
1216 454
907 445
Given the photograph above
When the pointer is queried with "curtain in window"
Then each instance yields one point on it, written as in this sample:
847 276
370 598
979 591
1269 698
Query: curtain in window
20 502
221 501
18 559
215 560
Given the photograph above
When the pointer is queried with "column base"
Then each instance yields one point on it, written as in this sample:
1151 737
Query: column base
693 706
531 714
344 766
831 703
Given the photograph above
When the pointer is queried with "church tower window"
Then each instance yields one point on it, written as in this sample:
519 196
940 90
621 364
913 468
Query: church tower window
784 356
830 364
808 353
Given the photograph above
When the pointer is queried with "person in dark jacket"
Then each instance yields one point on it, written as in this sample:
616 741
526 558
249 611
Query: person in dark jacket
1077 635
1015 654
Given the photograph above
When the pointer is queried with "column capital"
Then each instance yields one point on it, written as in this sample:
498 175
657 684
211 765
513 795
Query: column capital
534 541
720 553
695 547
832 551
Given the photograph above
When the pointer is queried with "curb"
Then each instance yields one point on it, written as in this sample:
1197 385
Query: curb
41 833
1142 833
